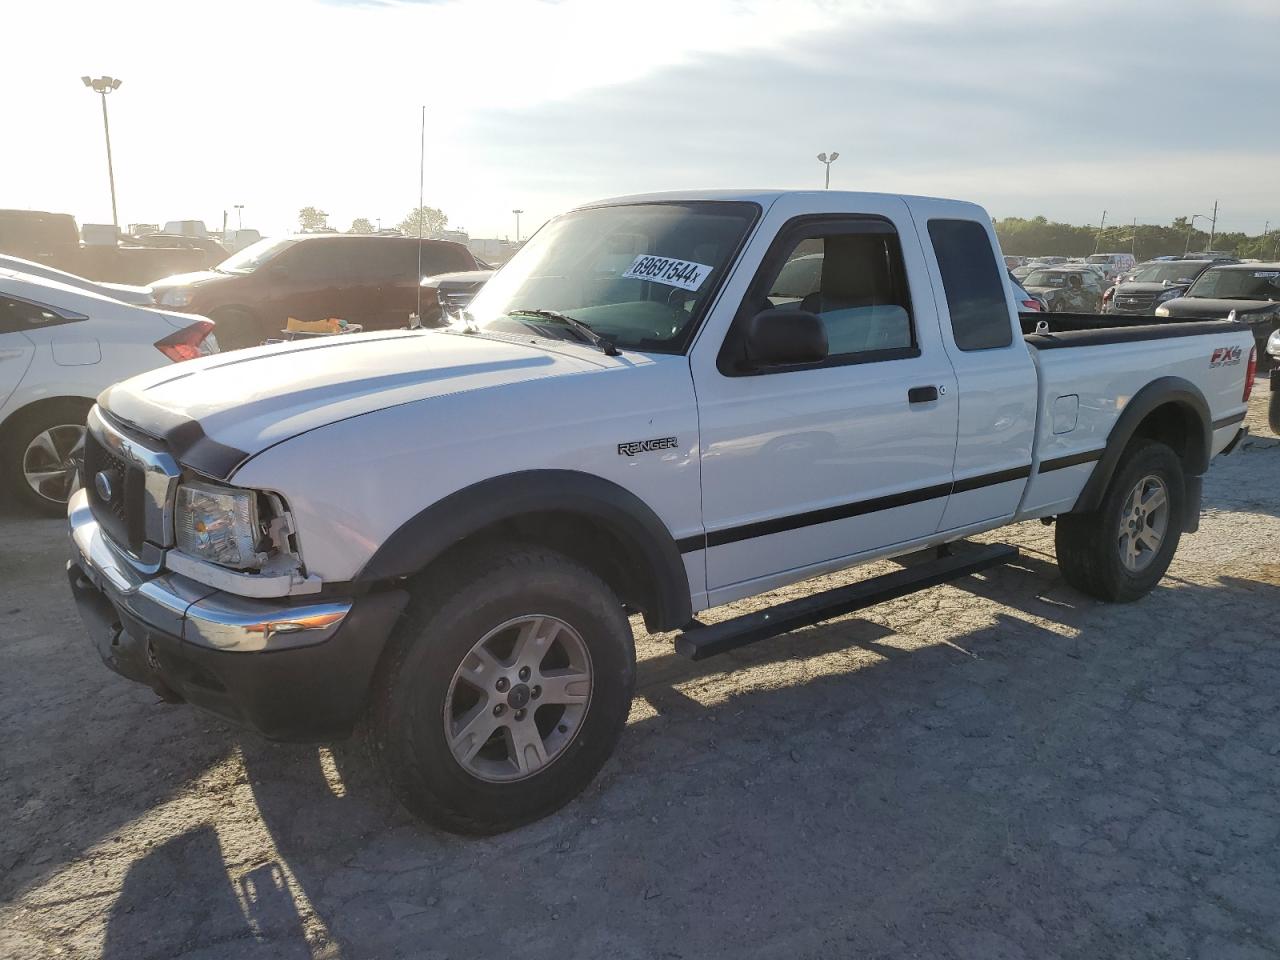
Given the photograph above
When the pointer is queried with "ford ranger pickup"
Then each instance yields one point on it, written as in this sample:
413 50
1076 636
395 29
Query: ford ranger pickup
661 404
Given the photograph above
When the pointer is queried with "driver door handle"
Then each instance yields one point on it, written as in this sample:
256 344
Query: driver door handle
922 394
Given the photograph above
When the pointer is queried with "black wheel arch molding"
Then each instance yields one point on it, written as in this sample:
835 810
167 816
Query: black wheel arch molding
1162 391
504 502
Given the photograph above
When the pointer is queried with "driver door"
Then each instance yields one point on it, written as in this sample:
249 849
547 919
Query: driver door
805 466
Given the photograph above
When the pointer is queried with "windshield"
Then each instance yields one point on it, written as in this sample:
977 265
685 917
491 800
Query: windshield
639 275
1045 278
1174 272
253 256
1235 284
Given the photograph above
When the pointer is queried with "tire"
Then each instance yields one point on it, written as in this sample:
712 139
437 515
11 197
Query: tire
424 688
1091 547
236 327
48 439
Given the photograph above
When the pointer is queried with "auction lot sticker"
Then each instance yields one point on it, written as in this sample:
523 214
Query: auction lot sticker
674 273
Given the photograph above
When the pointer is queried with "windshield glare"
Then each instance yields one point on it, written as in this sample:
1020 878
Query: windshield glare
1176 272
639 275
1226 284
253 256
1045 278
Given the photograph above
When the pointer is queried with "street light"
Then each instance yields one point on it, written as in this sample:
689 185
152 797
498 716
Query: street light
827 161
104 85
517 213
239 208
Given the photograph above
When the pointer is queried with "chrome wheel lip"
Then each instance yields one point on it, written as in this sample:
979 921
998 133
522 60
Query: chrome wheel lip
1144 523
53 458
508 705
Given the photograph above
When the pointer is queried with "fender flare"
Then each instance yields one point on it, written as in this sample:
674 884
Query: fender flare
1157 393
427 535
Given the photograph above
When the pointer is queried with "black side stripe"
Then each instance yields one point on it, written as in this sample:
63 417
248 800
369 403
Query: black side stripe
718 538
990 479
1228 421
1070 460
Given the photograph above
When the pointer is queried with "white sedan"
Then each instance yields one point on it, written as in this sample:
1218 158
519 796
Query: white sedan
138 296
60 346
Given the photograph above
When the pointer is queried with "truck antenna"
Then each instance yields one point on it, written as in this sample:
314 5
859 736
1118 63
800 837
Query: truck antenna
422 162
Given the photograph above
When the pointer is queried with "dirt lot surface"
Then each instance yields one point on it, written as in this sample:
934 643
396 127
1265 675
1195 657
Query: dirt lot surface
996 769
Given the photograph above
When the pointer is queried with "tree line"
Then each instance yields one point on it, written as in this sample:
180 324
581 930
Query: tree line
431 220
1042 237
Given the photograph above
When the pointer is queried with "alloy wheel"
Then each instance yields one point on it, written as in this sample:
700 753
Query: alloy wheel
52 461
1144 521
518 699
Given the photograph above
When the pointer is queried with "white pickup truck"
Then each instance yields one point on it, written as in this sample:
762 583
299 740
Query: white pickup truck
662 404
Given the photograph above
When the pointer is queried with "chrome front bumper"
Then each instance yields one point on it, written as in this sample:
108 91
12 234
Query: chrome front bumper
190 611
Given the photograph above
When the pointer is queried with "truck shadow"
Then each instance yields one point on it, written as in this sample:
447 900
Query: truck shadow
902 784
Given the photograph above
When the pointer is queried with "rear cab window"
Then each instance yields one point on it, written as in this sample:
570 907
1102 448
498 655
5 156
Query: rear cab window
972 284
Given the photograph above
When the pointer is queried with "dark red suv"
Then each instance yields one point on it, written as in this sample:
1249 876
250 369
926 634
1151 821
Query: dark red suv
370 280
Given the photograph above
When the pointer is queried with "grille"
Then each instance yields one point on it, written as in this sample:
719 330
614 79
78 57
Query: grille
1134 302
121 517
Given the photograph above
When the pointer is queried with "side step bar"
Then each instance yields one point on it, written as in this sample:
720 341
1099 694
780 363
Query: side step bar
699 641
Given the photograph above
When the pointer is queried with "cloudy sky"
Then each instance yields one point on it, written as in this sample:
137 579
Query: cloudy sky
1147 109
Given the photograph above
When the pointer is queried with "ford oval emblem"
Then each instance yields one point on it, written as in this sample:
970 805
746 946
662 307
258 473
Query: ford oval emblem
102 483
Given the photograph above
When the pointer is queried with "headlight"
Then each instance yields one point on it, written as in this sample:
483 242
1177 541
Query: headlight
1162 311
1273 343
176 297
218 524
1169 295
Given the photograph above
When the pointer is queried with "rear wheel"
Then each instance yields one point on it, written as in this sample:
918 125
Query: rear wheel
1120 551
42 454
504 690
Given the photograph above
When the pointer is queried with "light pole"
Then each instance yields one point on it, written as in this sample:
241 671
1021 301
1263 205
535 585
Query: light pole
239 208
104 85
517 213
827 161
1191 229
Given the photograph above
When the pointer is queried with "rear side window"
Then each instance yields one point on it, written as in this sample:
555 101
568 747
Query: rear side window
18 315
971 281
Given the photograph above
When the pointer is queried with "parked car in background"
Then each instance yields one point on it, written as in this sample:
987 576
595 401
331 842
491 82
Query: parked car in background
1113 264
1151 285
1066 289
372 280
61 346
236 240
1027 302
125 293
1250 290
447 294
54 240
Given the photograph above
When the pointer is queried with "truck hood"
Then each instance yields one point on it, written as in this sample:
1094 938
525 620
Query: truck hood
1217 309
216 412
1136 287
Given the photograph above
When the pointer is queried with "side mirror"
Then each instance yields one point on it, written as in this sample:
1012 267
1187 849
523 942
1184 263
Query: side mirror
785 336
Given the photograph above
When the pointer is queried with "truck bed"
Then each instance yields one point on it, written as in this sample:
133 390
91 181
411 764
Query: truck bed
1095 329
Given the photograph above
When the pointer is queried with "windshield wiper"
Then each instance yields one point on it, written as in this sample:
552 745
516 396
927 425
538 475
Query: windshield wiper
579 327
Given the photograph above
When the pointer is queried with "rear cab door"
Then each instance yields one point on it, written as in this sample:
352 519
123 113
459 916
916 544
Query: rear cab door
804 467
998 402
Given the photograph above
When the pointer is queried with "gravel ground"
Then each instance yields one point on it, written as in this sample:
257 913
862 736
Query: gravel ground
994 769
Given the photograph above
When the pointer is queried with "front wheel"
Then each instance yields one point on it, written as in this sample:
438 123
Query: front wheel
1120 551
505 689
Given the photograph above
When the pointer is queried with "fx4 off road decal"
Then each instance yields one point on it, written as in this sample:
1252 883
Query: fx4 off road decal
632 447
1225 356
